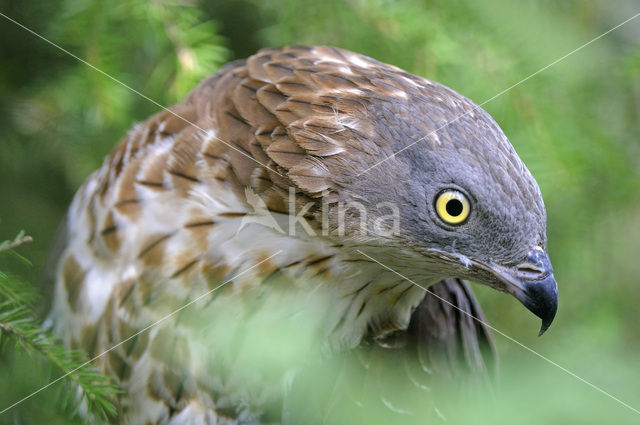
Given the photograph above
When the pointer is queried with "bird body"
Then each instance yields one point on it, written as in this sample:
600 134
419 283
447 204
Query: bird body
232 246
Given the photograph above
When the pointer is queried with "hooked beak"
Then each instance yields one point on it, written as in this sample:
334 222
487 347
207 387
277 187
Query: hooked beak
533 284
530 282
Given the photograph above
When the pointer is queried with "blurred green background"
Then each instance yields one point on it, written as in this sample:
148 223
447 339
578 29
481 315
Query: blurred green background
575 125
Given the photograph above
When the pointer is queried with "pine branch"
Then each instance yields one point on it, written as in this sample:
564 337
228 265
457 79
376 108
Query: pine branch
18 325
19 240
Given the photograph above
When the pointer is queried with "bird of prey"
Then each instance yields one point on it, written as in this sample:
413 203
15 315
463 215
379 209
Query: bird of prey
287 246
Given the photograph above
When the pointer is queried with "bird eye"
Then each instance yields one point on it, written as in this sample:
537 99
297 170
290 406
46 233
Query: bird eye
452 206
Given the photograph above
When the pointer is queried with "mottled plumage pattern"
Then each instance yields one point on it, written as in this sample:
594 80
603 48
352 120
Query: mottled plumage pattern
172 214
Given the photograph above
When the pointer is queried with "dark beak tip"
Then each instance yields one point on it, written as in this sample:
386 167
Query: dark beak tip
542 300
545 325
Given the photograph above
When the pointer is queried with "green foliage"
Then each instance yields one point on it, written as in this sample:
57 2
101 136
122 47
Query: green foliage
20 330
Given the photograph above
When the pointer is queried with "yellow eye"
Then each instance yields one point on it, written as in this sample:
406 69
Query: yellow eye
452 206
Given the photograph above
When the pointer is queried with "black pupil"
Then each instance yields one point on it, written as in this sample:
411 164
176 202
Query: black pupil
454 207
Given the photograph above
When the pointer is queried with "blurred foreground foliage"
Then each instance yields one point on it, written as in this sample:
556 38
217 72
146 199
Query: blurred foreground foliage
575 125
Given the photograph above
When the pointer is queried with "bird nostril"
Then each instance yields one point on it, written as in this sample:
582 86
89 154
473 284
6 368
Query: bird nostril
528 268
529 271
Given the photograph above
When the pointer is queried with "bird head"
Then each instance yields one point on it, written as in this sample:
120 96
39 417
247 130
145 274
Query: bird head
388 141
466 201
